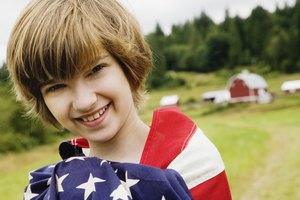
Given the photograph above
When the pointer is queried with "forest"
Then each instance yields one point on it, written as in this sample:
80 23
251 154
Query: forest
268 40
265 40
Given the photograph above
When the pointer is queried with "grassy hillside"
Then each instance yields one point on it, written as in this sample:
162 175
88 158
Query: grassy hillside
19 133
7 106
259 143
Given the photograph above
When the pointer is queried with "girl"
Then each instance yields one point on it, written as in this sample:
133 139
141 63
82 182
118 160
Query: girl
81 65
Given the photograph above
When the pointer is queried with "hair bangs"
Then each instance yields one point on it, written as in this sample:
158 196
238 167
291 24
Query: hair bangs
62 46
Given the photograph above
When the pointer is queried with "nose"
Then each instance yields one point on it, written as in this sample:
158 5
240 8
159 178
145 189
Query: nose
84 97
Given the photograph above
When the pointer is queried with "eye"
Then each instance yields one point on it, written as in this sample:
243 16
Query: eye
95 70
55 87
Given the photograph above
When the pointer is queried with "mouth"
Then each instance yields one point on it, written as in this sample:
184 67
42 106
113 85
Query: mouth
95 116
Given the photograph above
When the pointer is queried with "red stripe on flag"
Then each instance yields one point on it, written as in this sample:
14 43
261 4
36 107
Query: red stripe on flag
170 133
216 188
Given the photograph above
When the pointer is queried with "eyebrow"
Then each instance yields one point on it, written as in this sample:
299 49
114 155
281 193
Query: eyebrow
47 82
98 59
94 62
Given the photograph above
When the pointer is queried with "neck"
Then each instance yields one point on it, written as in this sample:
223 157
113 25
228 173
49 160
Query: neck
127 145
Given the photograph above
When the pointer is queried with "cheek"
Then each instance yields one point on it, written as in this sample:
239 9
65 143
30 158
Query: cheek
113 86
58 108
122 93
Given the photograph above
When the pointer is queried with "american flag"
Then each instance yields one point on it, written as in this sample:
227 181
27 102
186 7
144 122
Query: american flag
91 178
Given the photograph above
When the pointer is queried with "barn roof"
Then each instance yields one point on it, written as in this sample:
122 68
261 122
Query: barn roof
252 80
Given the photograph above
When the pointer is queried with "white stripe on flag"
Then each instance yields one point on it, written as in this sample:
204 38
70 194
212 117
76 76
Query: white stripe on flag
199 161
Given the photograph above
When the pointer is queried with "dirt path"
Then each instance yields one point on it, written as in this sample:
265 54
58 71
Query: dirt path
279 178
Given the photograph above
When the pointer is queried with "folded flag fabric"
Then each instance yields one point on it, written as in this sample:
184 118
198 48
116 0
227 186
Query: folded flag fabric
91 178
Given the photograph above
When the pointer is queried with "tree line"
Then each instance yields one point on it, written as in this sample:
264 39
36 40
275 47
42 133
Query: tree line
265 39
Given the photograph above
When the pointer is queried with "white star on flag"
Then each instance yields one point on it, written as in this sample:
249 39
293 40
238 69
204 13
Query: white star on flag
129 183
28 194
119 193
89 186
49 181
74 158
59 182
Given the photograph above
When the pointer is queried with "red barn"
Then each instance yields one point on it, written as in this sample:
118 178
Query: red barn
248 87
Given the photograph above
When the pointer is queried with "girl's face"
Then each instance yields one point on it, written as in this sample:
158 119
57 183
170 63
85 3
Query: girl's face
97 104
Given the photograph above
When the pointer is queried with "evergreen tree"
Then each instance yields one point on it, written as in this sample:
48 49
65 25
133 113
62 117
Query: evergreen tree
215 53
258 27
203 24
157 44
235 39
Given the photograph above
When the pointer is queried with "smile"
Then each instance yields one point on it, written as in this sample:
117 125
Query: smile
95 116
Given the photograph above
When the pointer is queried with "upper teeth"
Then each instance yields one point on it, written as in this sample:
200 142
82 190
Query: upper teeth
95 116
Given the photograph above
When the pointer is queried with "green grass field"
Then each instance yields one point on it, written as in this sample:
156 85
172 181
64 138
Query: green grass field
259 143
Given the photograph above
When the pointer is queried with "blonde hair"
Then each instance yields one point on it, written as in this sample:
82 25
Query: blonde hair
57 38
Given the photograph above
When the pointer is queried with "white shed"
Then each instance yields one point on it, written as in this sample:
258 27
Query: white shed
291 86
172 100
217 97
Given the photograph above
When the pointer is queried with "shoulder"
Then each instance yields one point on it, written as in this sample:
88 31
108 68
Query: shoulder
175 142
170 132
199 161
173 124
202 168
171 117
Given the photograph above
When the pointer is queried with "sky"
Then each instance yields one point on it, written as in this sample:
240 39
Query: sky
151 12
